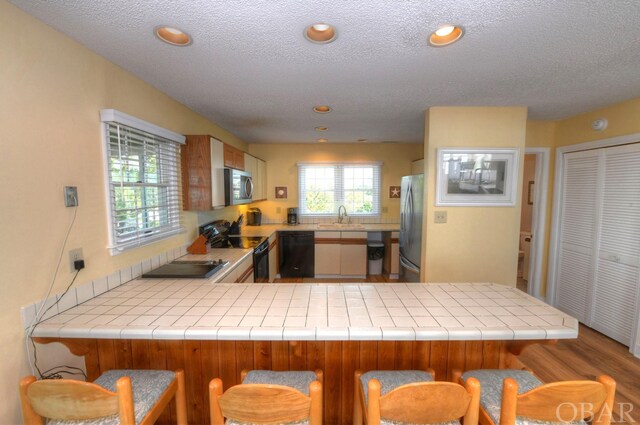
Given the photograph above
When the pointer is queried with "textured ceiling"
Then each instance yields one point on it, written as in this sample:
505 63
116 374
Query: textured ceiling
251 70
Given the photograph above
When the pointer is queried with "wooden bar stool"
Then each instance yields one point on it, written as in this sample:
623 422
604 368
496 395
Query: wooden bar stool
267 397
518 397
412 397
118 397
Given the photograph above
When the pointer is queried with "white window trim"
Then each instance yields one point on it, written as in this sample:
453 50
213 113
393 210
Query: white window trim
114 116
341 163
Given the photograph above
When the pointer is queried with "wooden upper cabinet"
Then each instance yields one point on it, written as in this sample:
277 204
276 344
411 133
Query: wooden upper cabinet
202 173
233 157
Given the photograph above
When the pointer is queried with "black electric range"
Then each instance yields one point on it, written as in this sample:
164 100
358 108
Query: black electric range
219 235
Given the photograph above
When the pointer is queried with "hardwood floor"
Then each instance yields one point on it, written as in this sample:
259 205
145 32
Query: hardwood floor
590 355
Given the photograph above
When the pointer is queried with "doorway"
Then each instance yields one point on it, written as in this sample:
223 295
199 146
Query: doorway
526 212
535 181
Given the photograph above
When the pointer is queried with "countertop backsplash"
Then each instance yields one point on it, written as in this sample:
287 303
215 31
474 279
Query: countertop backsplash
84 292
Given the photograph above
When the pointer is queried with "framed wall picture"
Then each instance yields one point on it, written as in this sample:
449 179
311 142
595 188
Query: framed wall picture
477 177
281 192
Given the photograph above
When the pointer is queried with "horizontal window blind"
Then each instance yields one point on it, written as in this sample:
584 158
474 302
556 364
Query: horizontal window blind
142 170
323 188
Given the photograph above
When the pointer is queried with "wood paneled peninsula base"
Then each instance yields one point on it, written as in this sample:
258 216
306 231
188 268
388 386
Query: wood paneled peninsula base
204 360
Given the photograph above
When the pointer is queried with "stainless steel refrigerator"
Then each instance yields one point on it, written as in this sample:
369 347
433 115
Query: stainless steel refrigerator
411 208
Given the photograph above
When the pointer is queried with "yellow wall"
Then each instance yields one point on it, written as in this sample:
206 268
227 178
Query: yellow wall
624 118
51 91
477 244
282 170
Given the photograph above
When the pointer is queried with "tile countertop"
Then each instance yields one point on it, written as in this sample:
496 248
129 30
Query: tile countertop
269 229
196 309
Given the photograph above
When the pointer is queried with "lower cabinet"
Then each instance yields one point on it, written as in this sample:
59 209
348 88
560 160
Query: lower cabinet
391 263
328 253
353 254
273 257
241 273
341 254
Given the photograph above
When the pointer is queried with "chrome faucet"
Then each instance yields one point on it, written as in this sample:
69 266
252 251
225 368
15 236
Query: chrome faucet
340 215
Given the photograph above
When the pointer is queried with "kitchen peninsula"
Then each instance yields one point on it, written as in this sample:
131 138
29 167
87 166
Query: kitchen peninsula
216 330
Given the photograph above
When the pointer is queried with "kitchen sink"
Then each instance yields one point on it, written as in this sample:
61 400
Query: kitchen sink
340 226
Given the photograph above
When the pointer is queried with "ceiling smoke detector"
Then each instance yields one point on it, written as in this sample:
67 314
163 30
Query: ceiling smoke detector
320 33
172 35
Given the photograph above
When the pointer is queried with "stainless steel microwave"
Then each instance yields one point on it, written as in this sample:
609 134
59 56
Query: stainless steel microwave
238 187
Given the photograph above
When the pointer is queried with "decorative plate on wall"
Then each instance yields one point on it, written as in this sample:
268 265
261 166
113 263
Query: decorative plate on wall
281 192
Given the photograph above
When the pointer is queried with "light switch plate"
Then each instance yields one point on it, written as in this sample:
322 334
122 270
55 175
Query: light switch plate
70 196
440 217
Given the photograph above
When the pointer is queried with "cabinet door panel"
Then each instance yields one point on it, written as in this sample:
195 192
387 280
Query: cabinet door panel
217 173
273 261
229 159
395 258
353 260
238 159
327 259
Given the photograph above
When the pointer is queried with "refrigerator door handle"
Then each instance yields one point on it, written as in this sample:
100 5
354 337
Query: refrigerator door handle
410 213
404 263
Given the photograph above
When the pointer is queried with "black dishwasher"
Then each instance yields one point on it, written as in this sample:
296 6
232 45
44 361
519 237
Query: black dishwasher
297 254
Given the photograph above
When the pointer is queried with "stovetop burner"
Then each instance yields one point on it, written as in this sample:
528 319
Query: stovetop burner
186 269
246 242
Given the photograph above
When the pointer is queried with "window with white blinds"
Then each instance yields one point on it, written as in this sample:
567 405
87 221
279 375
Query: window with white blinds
323 187
143 195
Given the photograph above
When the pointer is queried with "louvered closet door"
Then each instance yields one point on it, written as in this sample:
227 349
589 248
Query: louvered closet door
579 215
617 273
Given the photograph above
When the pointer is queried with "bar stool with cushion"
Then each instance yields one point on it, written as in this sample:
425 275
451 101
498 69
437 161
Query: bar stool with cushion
268 397
412 397
518 397
118 397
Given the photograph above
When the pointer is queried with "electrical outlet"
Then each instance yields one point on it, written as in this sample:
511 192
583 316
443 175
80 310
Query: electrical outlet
278 210
440 217
75 254
385 210
70 196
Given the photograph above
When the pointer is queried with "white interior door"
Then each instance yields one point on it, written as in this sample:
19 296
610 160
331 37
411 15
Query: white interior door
618 254
578 232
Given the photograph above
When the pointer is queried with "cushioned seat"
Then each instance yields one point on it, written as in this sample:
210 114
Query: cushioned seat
139 396
491 383
148 386
392 379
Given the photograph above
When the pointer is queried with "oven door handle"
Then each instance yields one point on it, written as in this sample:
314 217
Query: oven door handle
260 248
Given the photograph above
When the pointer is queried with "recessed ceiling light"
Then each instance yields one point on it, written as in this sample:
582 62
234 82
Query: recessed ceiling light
445 35
322 109
320 33
322 140
172 35
322 128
